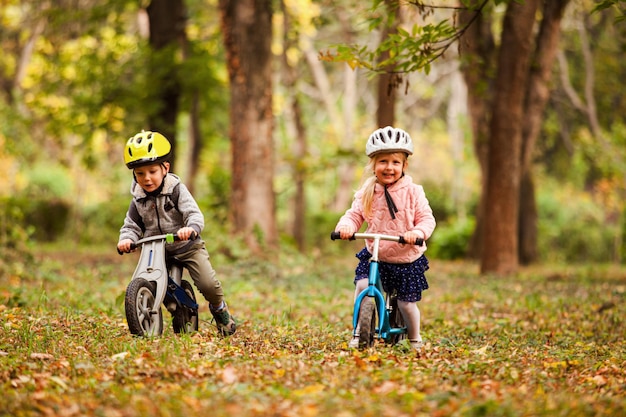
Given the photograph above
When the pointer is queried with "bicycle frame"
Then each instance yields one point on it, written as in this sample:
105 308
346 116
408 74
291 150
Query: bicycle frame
152 266
375 290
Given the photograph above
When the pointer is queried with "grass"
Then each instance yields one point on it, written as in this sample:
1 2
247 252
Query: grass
546 342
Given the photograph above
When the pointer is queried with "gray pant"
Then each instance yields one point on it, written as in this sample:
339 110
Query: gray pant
197 262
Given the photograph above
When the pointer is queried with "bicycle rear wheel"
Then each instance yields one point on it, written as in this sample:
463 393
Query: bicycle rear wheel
395 320
185 319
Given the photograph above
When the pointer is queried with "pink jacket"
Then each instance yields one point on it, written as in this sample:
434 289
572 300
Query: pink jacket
414 213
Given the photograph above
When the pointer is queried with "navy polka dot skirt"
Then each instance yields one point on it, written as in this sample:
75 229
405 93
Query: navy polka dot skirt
407 279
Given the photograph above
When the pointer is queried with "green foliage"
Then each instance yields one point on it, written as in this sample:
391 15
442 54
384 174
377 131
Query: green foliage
547 342
617 4
101 222
573 227
451 239
318 233
15 252
407 50
48 181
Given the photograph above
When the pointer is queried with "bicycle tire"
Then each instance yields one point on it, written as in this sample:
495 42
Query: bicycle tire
395 320
367 322
185 319
138 303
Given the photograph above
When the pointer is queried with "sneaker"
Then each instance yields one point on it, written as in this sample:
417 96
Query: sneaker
354 343
416 345
226 325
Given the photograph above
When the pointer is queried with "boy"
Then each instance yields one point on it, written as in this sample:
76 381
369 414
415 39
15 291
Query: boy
162 204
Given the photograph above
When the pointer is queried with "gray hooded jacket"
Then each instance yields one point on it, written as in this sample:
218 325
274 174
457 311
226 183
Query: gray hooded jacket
164 213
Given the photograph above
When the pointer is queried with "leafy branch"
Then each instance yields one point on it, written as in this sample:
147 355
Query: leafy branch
407 50
620 5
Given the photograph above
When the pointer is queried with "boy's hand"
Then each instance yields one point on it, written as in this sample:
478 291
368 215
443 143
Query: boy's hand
124 246
345 232
184 233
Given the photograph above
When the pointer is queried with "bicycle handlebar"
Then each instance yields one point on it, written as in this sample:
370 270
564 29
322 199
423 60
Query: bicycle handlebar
399 239
169 237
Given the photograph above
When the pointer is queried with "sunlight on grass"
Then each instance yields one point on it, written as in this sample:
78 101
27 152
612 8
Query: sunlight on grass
548 341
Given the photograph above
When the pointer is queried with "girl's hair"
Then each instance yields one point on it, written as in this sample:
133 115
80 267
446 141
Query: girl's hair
369 183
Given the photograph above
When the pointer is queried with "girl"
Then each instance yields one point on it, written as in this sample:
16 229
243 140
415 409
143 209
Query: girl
392 204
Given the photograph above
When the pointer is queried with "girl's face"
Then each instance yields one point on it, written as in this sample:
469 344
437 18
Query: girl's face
150 177
388 167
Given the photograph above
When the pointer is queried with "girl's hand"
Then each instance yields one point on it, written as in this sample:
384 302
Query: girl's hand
184 233
411 237
345 232
124 246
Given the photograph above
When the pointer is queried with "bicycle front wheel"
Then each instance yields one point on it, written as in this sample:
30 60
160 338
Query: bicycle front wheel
367 322
139 302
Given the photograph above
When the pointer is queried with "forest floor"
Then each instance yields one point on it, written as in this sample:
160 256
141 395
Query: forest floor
548 341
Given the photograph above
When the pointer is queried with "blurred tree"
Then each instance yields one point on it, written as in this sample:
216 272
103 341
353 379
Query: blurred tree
480 69
500 245
389 80
247 32
167 20
291 37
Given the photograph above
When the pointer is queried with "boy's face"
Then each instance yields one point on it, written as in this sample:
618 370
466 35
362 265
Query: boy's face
150 177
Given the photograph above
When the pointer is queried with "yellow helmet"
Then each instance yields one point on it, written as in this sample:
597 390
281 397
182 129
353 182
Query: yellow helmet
146 148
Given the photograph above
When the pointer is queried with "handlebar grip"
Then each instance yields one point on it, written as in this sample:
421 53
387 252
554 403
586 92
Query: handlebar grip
133 246
418 242
337 235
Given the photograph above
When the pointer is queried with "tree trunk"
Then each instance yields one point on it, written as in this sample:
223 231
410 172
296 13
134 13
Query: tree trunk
290 78
478 52
247 32
167 29
537 96
195 142
500 251
388 82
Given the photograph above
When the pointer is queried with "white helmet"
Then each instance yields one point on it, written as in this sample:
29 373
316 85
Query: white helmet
389 139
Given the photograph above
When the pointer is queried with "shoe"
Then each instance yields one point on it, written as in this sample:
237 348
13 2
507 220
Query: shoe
416 344
354 343
226 325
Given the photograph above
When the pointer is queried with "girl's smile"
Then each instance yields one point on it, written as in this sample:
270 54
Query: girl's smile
389 167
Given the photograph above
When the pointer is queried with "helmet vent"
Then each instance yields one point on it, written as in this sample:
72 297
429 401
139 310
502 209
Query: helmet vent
150 148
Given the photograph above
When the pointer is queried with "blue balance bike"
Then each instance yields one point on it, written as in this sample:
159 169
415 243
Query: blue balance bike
380 319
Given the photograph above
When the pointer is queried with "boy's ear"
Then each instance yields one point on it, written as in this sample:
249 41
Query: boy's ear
166 165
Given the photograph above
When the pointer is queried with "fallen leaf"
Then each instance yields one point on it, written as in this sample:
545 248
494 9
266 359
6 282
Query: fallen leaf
119 356
41 356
